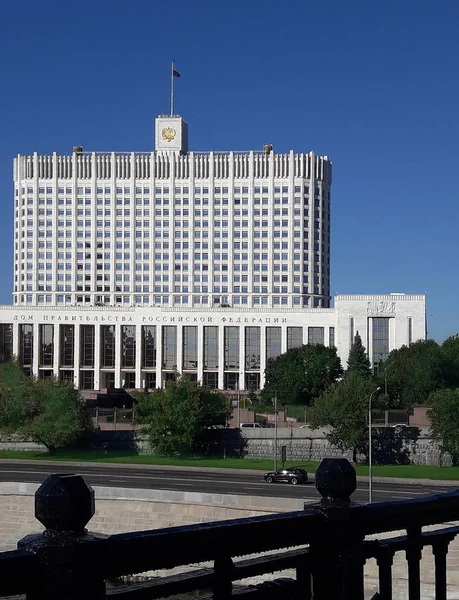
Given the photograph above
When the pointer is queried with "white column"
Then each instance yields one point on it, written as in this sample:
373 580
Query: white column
179 337
97 353
159 356
262 355
139 383
16 340
56 349
305 334
118 378
76 356
221 356
283 340
36 348
200 352
241 357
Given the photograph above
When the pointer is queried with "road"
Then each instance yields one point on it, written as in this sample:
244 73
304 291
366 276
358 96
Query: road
222 482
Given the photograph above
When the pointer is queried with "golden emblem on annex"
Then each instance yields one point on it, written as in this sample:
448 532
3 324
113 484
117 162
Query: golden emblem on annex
168 134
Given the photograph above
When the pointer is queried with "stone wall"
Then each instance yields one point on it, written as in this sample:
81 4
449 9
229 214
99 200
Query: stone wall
395 446
120 510
392 446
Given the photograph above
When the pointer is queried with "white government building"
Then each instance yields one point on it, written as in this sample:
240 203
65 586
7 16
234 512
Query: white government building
131 266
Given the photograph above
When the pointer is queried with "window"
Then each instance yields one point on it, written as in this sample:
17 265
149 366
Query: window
26 344
6 342
231 380
190 347
294 337
108 346
252 348
46 345
67 334
87 380
380 341
149 346
315 335
231 337
252 381
210 380
87 346
169 347
128 346
273 342
410 331
210 347
331 337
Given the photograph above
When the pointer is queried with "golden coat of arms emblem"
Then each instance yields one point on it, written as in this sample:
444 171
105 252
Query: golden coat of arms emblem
168 134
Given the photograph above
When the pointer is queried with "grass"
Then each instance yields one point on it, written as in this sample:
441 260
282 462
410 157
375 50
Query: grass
125 457
136 459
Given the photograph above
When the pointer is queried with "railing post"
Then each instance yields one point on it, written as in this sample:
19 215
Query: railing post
336 552
413 557
222 587
64 504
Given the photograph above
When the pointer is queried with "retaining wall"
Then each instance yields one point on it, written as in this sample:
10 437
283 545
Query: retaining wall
120 510
412 445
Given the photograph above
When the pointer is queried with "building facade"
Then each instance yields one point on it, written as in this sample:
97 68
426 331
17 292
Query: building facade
172 228
131 267
226 348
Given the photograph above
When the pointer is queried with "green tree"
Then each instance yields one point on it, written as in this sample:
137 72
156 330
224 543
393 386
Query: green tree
62 419
178 417
414 372
344 408
19 403
301 374
49 411
358 361
444 419
450 349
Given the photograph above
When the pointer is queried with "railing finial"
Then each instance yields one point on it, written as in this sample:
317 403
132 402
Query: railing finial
336 480
64 503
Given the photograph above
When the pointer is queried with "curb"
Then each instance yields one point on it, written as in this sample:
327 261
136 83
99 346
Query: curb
216 470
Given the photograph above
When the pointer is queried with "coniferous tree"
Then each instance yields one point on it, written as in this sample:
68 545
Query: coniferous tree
358 362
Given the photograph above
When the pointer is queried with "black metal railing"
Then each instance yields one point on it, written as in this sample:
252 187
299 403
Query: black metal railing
325 545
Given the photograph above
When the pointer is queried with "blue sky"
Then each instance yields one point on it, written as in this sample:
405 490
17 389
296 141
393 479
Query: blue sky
371 83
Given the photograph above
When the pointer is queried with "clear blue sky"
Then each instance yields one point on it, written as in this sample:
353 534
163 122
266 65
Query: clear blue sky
371 83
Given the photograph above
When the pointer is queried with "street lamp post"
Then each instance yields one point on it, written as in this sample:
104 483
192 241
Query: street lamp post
370 441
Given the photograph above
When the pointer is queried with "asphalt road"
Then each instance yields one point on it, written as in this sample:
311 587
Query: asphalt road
222 481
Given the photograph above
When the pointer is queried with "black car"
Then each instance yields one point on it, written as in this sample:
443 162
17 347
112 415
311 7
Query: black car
292 475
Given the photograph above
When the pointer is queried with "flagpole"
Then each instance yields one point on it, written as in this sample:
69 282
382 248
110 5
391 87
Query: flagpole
172 90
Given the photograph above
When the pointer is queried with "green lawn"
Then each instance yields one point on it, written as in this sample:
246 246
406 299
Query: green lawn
135 459
408 471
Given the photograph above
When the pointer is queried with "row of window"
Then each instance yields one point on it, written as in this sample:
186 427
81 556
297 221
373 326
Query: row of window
211 349
165 190
52 299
